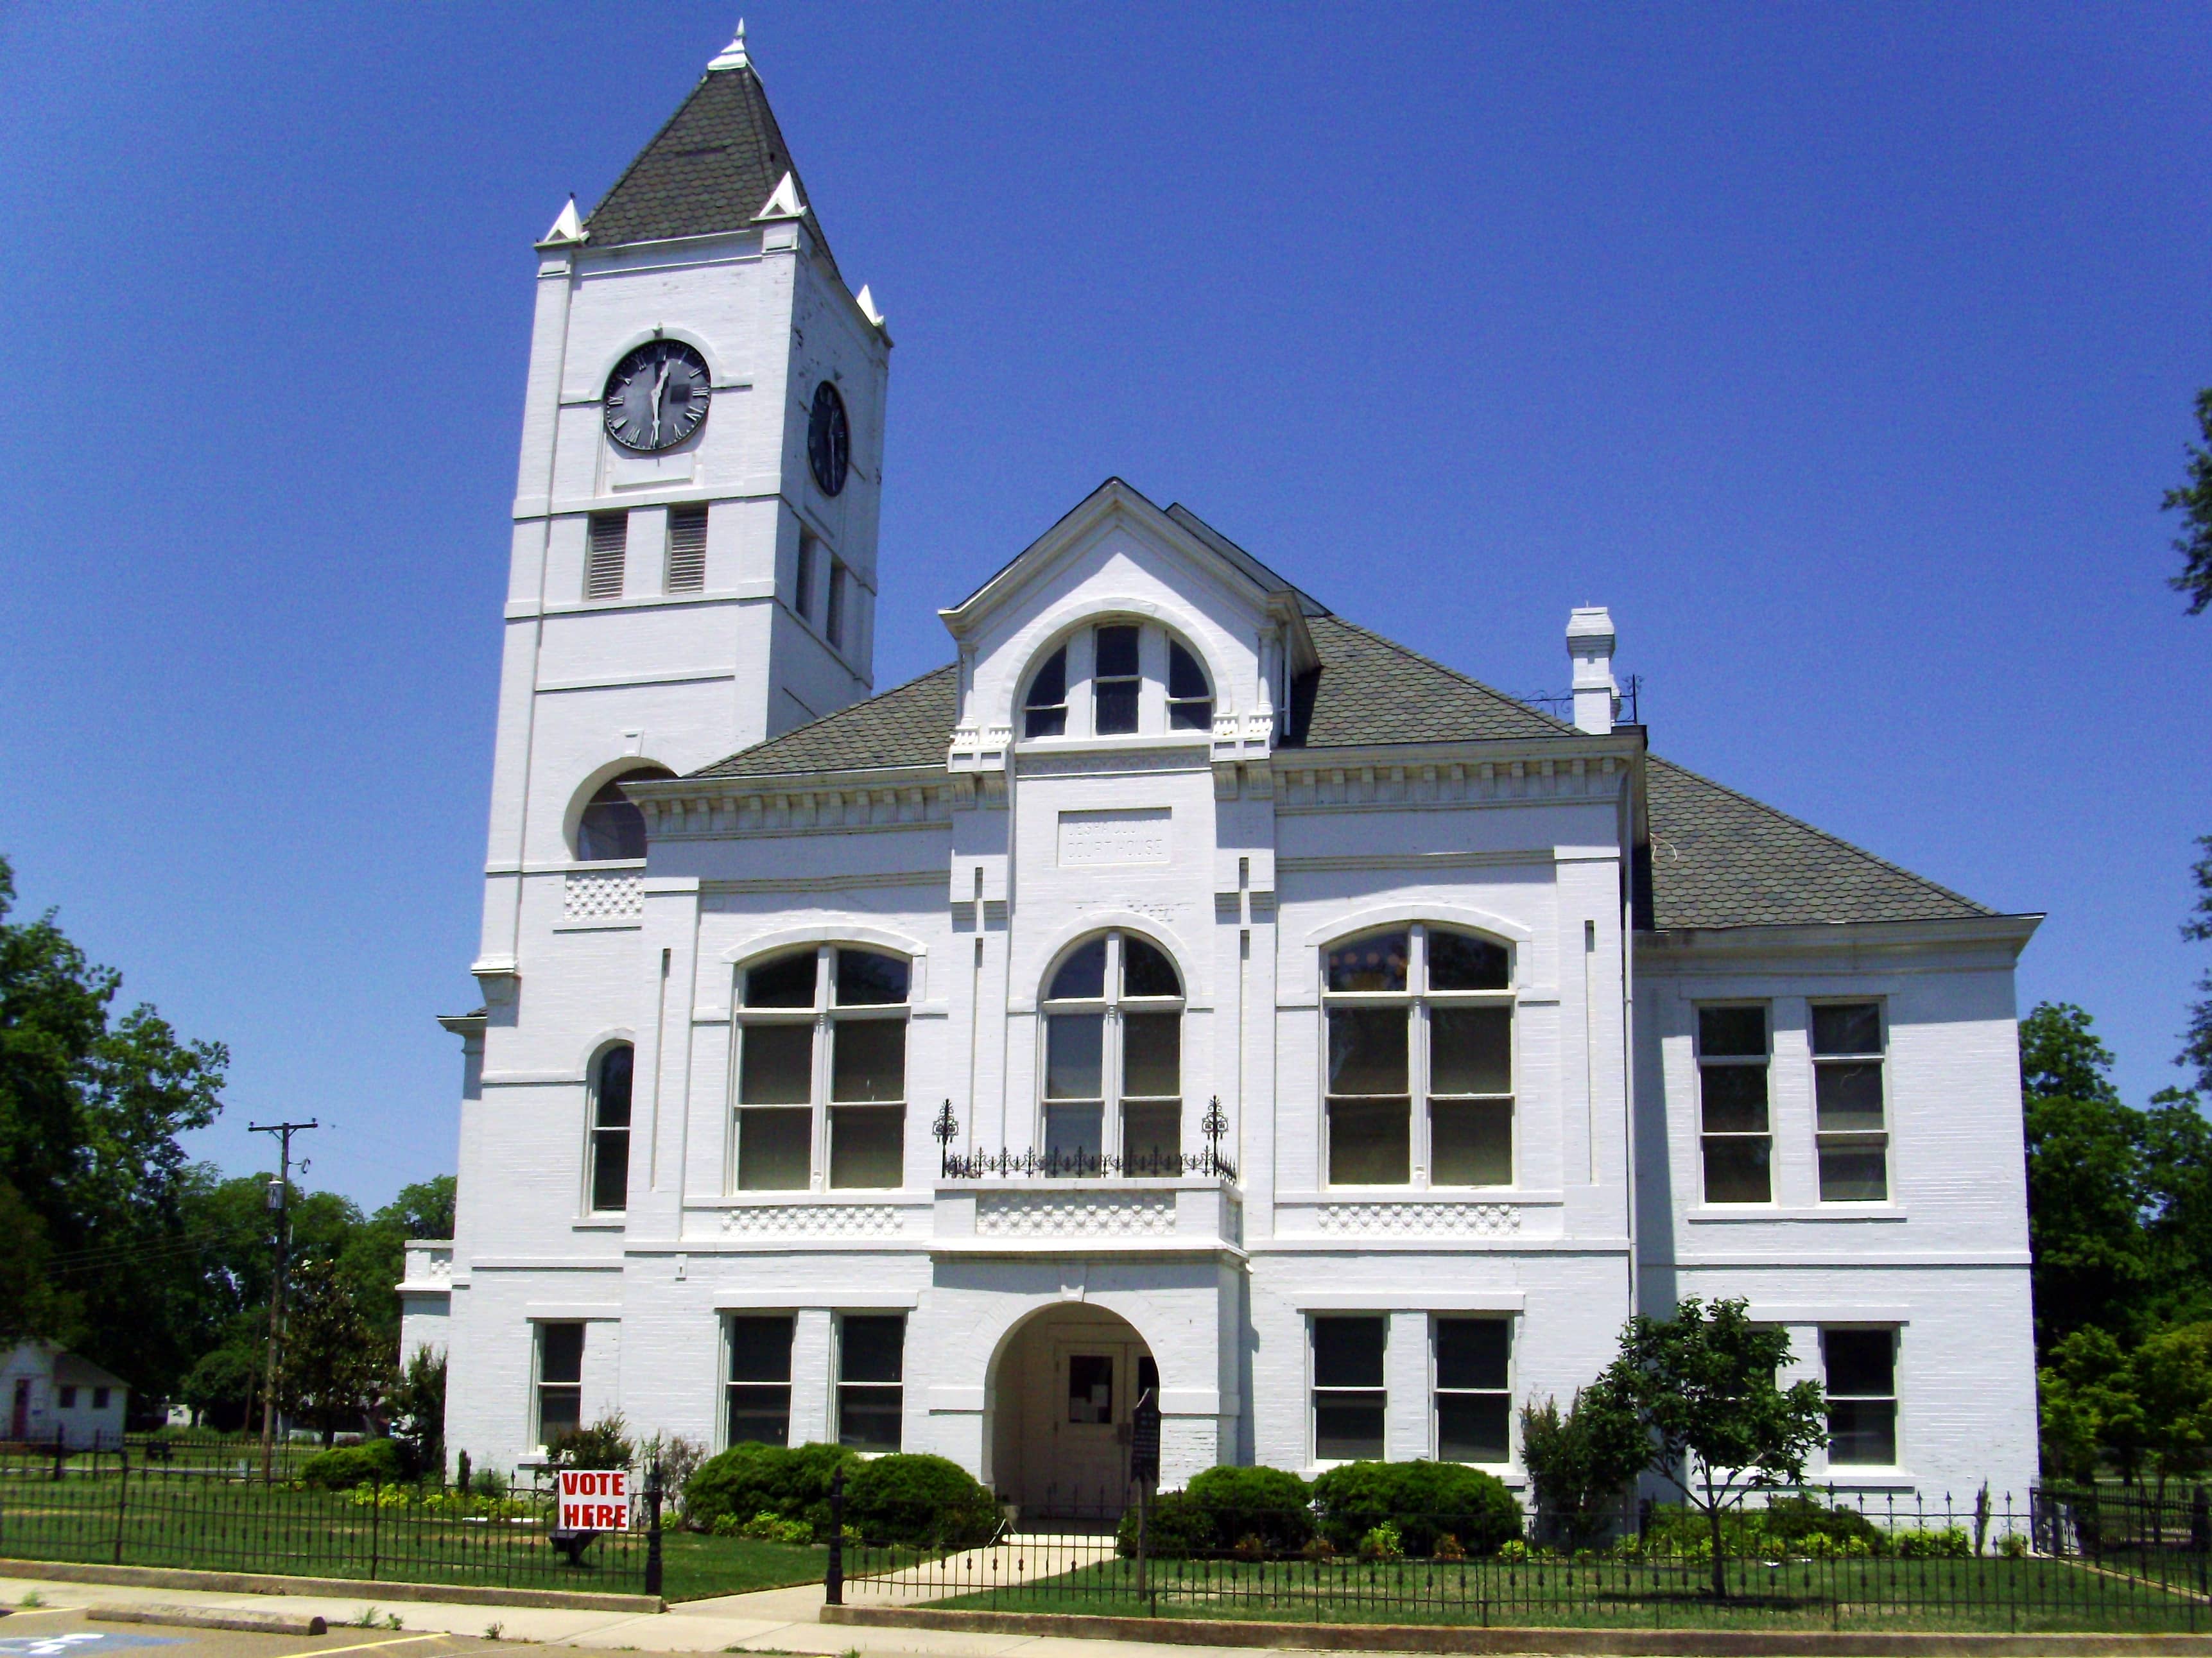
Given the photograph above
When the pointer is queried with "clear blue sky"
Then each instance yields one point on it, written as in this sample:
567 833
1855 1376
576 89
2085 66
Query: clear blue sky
1843 351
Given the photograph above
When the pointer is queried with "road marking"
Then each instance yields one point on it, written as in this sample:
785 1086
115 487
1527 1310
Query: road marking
365 1646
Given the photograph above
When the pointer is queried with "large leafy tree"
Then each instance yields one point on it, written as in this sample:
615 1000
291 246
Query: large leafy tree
2197 1041
93 1177
1716 1424
2193 501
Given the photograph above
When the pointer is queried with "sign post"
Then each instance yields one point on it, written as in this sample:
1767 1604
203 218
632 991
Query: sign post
1144 1470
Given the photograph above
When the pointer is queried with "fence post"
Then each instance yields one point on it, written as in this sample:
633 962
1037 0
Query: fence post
653 1498
833 1578
375 1515
61 1452
122 1499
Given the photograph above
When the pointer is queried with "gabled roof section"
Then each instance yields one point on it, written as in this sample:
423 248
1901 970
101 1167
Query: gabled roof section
711 169
1722 859
910 725
1369 691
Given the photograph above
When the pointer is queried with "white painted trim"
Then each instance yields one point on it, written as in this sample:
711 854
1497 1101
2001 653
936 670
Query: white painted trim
862 1298
1415 909
1415 1301
839 933
572 1312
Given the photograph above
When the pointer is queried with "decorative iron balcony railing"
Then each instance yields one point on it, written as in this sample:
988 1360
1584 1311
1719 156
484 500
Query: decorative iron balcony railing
1081 1162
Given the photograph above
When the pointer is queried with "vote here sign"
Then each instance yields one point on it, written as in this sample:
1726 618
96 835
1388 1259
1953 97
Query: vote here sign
594 1499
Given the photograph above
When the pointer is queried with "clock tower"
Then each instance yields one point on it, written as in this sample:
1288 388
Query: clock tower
693 563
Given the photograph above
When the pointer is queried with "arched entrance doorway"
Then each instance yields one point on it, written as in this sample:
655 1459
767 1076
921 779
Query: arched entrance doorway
1061 1392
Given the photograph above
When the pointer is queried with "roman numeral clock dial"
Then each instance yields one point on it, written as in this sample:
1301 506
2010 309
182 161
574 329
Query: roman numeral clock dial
657 396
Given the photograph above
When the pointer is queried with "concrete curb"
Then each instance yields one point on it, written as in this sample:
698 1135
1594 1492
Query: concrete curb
1458 1638
203 1618
254 1582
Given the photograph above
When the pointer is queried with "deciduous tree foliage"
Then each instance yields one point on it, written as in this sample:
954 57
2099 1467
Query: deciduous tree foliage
2193 501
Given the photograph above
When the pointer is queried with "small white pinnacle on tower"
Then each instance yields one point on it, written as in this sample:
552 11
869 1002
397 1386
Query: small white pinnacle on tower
783 201
733 55
867 304
566 228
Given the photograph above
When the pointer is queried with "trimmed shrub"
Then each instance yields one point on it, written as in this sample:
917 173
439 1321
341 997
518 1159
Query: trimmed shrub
1266 1503
1950 1543
372 1461
910 1497
1790 1521
603 1444
1178 1528
1424 1500
791 1482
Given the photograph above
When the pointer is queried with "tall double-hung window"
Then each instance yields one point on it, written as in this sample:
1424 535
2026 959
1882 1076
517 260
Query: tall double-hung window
609 1151
1851 1129
1420 1060
1113 1058
822 1070
1736 1135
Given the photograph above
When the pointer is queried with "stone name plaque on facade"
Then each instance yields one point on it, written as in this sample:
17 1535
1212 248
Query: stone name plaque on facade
1133 835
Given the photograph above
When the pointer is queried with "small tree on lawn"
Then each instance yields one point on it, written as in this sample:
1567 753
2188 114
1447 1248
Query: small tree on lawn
1717 1427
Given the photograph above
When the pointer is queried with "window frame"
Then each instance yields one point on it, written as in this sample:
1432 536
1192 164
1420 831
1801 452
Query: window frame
822 1019
1157 705
839 1383
1884 1137
538 1384
1894 1399
595 1133
726 1409
1422 1003
1315 1389
1437 1391
1110 1008
1765 1063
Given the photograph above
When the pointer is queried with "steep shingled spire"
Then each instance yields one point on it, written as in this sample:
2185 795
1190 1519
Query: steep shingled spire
715 167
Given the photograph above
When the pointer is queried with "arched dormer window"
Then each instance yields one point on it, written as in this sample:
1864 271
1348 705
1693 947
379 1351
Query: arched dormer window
1118 679
822 1068
607 1177
1421 1059
1113 1059
613 828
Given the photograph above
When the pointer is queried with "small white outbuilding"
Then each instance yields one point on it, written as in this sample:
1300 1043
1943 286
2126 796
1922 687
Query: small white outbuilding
51 1390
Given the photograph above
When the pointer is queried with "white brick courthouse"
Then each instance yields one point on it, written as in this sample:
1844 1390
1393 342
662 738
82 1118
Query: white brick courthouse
1183 987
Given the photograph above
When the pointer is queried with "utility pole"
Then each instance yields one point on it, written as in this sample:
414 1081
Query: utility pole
279 1198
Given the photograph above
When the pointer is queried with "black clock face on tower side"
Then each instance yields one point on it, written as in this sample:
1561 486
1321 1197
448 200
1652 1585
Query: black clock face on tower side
657 396
828 439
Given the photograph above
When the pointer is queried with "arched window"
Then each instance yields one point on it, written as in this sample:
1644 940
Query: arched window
1113 1059
822 1065
612 828
1126 677
608 1177
1420 1060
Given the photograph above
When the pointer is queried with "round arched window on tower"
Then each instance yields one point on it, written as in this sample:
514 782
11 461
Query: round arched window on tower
612 827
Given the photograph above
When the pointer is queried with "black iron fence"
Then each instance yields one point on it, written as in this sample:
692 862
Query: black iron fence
116 1507
2090 1560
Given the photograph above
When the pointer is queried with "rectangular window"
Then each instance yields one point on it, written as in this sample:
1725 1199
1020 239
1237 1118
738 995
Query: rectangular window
560 1380
1474 1399
1074 1092
1471 1097
100 1399
610 1130
1091 1387
760 1381
1151 1074
775 1071
687 549
1861 1388
1114 682
802 581
871 1353
833 613
1348 1396
603 565
1737 1145
867 1110
1370 1108
68 1398
1850 1126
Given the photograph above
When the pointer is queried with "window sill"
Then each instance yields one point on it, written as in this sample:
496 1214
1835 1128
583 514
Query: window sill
599 1224
1868 1478
1770 1211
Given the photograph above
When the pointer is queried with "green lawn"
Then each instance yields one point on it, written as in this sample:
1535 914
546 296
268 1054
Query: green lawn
2034 1596
692 1567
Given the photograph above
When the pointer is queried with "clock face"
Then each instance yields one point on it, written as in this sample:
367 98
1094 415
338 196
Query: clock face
828 439
657 396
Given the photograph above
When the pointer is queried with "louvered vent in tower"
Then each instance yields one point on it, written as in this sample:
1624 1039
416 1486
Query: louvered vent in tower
603 569
687 549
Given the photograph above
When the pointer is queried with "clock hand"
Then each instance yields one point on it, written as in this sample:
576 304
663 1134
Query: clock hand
660 391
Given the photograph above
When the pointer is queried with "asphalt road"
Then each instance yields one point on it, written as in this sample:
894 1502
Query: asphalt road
68 1632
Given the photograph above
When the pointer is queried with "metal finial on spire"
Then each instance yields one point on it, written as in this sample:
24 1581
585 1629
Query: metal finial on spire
733 55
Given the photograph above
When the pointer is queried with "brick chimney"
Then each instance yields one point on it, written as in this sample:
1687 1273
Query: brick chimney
1589 643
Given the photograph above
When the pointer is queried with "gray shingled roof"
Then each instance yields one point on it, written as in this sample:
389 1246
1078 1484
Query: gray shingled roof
1720 859
908 725
711 168
1368 690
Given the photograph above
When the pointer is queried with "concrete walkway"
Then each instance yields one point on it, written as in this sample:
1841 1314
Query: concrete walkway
767 1621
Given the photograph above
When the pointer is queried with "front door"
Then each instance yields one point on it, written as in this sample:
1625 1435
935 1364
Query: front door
1096 1384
